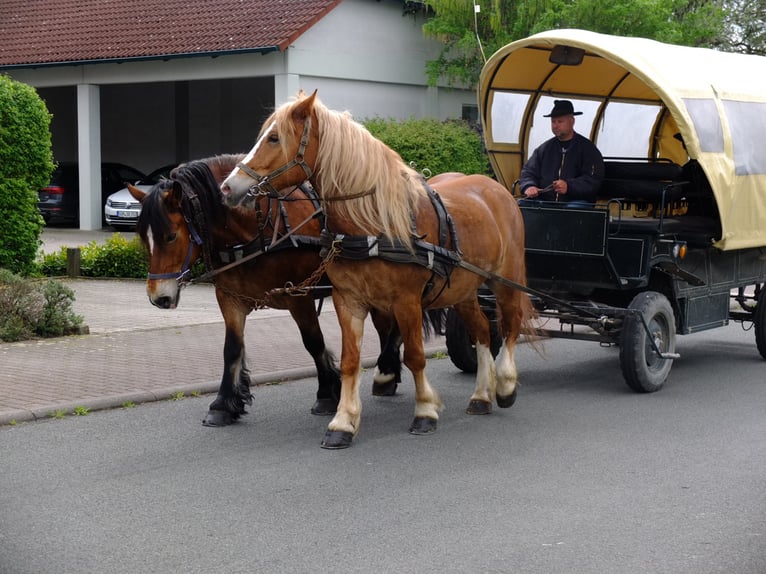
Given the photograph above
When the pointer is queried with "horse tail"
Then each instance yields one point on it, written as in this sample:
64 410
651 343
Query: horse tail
434 322
529 328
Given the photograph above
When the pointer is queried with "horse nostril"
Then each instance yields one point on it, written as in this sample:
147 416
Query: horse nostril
162 302
225 188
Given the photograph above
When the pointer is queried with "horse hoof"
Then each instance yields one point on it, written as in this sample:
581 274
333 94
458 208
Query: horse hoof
335 440
324 407
505 402
384 389
218 419
477 407
423 425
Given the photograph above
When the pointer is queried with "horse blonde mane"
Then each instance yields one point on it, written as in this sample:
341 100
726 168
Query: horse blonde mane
352 161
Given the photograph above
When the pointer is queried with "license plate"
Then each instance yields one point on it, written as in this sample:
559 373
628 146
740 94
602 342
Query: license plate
127 214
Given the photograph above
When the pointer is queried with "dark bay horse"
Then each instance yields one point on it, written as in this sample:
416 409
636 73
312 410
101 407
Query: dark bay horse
396 246
184 219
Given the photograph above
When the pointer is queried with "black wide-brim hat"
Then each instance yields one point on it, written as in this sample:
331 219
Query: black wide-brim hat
562 108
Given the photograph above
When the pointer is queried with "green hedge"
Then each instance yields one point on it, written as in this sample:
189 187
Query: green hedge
433 145
117 257
26 164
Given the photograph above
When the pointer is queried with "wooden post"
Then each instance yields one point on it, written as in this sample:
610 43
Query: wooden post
73 261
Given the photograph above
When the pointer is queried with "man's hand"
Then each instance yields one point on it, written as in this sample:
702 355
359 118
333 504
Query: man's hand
532 191
560 186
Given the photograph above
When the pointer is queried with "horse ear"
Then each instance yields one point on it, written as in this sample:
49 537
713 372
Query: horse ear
303 108
137 193
177 192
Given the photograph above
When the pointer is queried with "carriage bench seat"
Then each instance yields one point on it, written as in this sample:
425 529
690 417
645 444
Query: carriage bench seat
641 181
697 231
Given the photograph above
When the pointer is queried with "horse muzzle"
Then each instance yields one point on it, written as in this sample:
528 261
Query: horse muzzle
164 294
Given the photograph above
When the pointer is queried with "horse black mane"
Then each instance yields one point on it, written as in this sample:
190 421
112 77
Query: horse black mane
194 178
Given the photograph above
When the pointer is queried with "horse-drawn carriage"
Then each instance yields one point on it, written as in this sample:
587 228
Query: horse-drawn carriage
677 233
677 240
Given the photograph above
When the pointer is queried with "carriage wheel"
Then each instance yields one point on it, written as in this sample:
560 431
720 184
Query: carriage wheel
462 351
643 370
759 322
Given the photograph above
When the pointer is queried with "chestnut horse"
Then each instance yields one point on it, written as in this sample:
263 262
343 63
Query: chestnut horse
184 219
418 243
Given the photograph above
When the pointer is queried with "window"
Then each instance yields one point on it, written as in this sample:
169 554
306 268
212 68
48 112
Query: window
506 114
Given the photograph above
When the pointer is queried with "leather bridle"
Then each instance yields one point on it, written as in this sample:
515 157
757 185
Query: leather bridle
263 185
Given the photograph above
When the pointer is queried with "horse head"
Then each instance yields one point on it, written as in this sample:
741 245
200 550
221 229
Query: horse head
171 241
284 155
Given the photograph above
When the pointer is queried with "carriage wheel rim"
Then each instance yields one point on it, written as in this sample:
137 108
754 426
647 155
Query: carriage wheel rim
658 329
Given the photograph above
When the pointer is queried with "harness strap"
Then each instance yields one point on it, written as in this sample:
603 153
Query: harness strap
437 258
262 245
212 273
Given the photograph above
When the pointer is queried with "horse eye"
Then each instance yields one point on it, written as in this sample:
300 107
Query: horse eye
273 138
172 237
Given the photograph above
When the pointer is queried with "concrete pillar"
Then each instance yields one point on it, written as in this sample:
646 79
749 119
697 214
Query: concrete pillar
89 155
286 86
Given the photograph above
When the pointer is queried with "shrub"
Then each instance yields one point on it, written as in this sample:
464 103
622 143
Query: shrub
35 308
26 163
117 257
430 144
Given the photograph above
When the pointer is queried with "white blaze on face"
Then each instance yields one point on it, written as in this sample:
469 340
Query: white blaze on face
231 179
150 241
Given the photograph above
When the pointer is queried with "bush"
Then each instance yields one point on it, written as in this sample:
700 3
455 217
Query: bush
430 144
117 257
26 164
35 308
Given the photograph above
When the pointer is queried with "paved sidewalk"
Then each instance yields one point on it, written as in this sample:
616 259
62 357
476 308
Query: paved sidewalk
138 353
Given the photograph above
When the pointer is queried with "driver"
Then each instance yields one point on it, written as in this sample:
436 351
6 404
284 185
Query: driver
566 168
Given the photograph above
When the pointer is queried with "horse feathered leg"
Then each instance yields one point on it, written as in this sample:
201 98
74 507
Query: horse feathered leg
328 391
427 402
511 309
233 395
345 424
478 327
388 369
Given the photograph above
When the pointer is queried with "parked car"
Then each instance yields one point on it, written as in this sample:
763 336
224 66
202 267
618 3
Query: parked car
60 200
122 209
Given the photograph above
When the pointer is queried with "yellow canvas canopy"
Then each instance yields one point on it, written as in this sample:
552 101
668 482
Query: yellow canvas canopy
639 99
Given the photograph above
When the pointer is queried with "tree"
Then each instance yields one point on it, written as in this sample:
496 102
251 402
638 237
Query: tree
470 37
745 26
26 163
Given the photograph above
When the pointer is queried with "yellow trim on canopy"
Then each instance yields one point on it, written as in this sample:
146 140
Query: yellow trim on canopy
716 100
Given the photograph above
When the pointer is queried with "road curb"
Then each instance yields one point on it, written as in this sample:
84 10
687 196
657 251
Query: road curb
54 410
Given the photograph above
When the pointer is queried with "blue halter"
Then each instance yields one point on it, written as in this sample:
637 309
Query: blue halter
186 268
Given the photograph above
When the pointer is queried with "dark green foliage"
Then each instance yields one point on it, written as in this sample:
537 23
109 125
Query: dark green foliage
26 163
469 39
432 145
31 308
117 257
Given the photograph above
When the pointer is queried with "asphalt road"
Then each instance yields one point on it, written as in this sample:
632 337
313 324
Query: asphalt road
580 476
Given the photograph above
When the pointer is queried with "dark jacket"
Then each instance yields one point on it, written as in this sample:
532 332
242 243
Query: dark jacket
582 169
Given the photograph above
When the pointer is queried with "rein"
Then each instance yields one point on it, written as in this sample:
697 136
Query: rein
213 272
